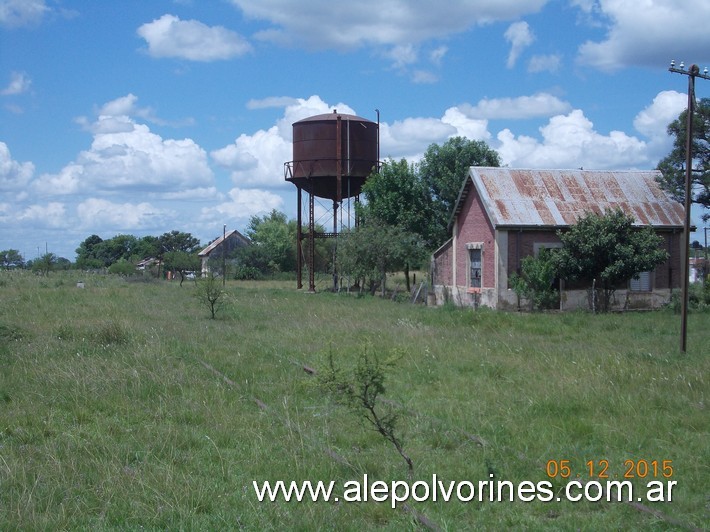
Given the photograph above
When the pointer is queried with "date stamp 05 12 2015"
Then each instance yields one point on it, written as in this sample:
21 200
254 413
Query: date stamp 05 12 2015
600 469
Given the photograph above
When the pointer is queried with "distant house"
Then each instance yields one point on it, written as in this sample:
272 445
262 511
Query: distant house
221 247
698 269
503 215
147 263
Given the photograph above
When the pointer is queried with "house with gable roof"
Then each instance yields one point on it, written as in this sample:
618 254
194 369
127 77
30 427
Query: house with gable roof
221 247
503 215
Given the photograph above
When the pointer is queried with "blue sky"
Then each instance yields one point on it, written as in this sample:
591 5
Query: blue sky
135 117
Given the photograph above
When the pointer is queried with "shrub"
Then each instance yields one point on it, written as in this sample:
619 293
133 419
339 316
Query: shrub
247 273
536 281
209 293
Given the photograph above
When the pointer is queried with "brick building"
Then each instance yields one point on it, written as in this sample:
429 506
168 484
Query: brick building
503 215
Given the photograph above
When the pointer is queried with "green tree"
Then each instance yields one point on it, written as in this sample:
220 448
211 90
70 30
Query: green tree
178 241
397 196
606 250
536 281
11 258
181 262
122 267
373 250
87 253
45 264
673 165
146 247
120 247
273 244
444 170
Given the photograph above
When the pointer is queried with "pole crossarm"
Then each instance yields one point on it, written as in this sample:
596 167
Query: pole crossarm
694 71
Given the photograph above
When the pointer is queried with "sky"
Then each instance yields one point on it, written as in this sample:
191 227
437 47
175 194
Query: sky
135 117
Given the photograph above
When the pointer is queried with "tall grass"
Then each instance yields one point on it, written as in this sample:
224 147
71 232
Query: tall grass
122 405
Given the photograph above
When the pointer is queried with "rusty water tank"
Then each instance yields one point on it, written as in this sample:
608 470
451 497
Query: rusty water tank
316 153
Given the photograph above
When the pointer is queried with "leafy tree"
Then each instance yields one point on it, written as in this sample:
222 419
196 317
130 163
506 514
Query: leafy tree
45 264
444 169
673 165
178 241
86 253
605 251
146 247
536 281
11 258
273 243
397 196
181 262
63 264
120 247
374 249
122 267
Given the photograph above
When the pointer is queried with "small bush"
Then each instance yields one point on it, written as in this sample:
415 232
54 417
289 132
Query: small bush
210 294
536 281
247 273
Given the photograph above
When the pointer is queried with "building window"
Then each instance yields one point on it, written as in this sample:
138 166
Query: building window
642 284
537 246
474 256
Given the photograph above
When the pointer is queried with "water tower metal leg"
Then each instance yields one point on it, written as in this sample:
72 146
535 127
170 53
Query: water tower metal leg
311 243
299 243
335 246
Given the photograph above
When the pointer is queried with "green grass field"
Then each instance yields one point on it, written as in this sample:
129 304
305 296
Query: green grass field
123 406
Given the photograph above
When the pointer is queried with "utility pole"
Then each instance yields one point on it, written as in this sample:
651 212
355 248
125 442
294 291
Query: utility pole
692 73
224 257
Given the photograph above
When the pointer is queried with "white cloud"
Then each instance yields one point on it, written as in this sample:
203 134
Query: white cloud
653 121
403 55
193 194
274 101
522 107
423 76
241 206
126 155
95 212
18 13
123 106
376 22
520 37
410 137
52 215
466 126
544 63
19 83
650 32
256 160
13 174
169 36
437 55
570 141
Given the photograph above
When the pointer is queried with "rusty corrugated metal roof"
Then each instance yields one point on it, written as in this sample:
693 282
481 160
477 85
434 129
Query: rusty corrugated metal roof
516 197
207 250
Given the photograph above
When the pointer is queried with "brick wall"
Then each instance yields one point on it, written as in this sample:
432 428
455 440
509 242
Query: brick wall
474 226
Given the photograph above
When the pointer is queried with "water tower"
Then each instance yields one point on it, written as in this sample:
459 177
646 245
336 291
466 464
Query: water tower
333 154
